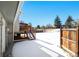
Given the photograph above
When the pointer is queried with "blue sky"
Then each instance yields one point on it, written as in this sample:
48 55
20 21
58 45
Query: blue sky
45 12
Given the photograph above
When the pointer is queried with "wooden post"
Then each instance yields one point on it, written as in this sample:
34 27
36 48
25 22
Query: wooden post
78 41
61 37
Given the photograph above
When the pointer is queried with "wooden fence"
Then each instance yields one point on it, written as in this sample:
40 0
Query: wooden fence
69 40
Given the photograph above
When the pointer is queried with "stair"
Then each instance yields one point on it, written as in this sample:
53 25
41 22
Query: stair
31 35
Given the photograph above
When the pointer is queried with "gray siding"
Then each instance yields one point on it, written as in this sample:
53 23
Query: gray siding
0 40
0 36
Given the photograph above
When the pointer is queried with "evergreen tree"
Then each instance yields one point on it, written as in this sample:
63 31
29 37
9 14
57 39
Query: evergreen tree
69 22
57 22
38 27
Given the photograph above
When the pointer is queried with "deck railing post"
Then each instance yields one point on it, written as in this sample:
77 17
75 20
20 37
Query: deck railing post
61 37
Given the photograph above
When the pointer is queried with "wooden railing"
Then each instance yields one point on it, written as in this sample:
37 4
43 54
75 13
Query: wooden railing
69 40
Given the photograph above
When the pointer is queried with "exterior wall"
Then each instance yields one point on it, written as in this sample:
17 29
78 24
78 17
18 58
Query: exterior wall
7 29
16 26
6 34
2 34
10 33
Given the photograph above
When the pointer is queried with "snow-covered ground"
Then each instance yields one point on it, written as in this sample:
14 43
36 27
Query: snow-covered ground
50 37
46 45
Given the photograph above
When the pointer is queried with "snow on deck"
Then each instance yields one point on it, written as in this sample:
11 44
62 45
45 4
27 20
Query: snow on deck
46 45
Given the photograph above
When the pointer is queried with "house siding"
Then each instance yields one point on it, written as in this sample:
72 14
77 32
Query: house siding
0 35
3 37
